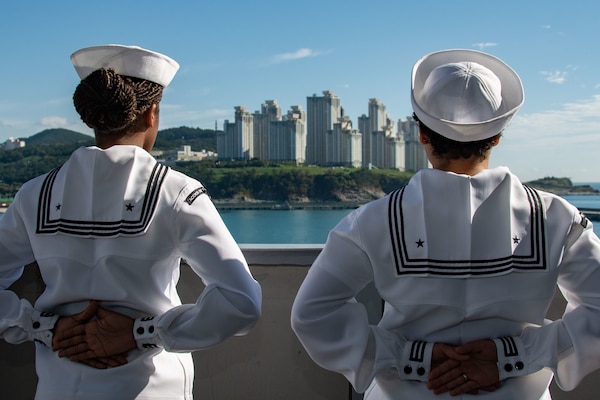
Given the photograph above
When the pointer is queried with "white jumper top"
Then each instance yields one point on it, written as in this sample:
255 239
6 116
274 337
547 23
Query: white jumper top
456 258
113 225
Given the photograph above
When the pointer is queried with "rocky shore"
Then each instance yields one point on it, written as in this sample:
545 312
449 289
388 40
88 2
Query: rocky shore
266 205
356 197
347 200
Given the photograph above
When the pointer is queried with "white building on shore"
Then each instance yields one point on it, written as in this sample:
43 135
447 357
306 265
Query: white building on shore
184 153
12 143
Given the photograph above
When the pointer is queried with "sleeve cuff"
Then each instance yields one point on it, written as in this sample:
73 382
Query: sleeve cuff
145 334
41 327
416 361
511 357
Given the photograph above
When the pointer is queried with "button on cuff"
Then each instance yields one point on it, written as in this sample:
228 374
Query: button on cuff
416 361
41 327
511 357
145 334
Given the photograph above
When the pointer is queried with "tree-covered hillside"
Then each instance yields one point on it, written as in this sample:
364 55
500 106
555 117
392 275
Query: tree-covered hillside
264 181
19 165
59 137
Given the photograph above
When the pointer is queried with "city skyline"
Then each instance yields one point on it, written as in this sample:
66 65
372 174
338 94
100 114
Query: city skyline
238 52
322 135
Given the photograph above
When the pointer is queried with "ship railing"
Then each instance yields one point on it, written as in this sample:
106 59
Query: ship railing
269 362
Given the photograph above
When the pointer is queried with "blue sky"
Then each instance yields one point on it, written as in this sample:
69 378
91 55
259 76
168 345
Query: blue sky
246 52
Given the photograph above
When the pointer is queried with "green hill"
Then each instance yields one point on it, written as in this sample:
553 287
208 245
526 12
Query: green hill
167 139
58 136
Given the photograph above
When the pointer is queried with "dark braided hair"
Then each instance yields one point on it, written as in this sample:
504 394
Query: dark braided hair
111 104
454 150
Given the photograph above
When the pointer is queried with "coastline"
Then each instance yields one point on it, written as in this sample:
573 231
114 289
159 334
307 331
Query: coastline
353 201
260 205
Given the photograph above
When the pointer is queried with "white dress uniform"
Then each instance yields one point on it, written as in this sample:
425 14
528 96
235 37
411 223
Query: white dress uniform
456 258
113 225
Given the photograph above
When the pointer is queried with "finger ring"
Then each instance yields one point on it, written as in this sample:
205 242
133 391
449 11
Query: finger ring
465 376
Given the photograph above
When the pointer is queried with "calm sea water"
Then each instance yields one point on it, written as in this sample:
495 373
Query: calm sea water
282 226
312 226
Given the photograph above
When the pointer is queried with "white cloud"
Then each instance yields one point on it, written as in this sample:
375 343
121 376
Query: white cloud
558 77
559 142
53 122
297 55
572 123
483 45
546 27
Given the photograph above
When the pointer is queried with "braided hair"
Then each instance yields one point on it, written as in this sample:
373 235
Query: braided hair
111 104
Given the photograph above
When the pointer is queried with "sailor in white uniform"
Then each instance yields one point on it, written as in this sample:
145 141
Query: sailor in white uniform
466 259
108 230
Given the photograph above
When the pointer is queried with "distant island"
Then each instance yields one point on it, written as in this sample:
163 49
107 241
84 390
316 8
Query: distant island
561 186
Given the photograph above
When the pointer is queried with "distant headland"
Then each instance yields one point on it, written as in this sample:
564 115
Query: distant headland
562 186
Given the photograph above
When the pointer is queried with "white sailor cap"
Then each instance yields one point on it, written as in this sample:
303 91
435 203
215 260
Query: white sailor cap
131 61
465 95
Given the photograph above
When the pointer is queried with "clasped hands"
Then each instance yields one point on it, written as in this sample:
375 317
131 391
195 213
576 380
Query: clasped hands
97 337
464 369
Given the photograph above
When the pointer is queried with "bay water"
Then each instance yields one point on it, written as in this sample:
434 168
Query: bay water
313 226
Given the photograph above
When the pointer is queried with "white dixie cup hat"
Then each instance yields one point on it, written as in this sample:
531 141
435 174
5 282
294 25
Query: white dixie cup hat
130 61
465 95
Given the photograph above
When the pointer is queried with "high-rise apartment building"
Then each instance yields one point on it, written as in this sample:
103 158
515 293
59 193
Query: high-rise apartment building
373 137
415 156
287 140
322 112
395 155
270 111
376 128
343 145
236 142
364 126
